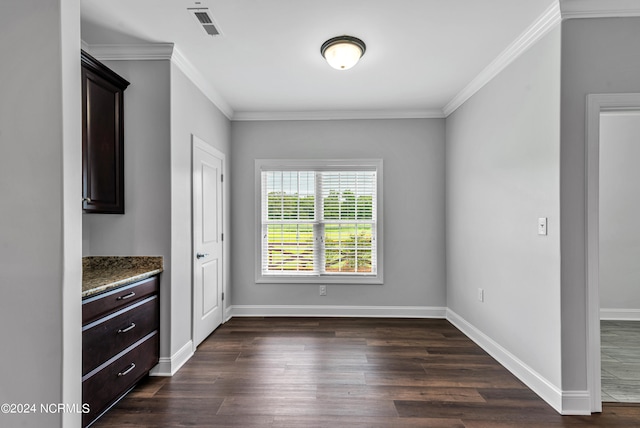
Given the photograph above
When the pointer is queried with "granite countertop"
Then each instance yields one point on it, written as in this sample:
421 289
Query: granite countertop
102 273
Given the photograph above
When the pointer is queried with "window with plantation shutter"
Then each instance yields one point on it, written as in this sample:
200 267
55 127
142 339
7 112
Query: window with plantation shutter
319 221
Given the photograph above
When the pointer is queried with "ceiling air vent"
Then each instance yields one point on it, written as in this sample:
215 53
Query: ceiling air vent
204 18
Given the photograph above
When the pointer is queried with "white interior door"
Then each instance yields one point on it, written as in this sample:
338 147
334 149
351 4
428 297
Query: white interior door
208 285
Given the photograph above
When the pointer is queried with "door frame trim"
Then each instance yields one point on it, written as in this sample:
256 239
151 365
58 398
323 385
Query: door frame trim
596 104
197 142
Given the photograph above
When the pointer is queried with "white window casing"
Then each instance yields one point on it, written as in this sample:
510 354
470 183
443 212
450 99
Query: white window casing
319 221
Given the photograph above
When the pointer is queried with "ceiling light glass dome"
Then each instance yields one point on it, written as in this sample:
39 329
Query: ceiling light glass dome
343 52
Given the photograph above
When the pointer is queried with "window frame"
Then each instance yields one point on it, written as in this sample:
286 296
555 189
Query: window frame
319 165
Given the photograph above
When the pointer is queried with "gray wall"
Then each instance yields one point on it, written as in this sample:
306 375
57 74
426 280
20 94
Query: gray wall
191 113
502 175
162 109
413 156
40 188
144 229
620 211
599 56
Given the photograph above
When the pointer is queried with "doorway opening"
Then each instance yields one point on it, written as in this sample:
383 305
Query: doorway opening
619 254
597 104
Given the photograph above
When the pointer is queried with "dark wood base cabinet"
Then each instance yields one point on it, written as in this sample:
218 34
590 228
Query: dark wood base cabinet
120 343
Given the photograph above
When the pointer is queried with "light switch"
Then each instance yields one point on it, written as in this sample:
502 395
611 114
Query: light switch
542 226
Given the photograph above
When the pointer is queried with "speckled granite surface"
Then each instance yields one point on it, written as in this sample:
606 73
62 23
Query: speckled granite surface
101 273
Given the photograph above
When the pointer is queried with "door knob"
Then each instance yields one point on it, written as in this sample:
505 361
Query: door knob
201 255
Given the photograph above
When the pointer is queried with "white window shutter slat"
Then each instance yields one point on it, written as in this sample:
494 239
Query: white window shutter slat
319 222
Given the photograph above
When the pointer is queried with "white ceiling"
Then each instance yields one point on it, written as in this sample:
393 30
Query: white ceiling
420 53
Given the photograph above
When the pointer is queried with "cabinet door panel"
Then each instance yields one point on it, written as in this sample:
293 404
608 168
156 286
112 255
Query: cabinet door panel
103 152
102 138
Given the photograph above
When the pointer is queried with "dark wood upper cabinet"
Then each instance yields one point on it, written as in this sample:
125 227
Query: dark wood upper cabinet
102 138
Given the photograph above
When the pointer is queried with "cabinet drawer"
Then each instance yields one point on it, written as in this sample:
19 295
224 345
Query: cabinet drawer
109 336
109 384
105 303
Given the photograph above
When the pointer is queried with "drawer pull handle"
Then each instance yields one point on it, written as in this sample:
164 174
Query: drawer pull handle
124 330
128 370
126 296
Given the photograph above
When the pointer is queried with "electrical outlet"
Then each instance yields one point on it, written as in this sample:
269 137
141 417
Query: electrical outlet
323 290
481 294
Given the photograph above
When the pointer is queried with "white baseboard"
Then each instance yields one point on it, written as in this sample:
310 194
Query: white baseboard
576 403
336 311
541 386
612 314
227 314
169 366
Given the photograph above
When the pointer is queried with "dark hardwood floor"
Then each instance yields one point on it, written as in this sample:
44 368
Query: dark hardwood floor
344 372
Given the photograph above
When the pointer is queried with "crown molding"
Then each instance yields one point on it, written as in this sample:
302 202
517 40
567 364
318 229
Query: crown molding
572 9
201 82
337 115
132 52
160 51
168 51
545 23
559 10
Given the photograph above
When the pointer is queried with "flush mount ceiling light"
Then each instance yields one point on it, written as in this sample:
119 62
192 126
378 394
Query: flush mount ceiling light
343 52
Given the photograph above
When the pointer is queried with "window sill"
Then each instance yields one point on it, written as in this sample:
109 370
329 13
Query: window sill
326 279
